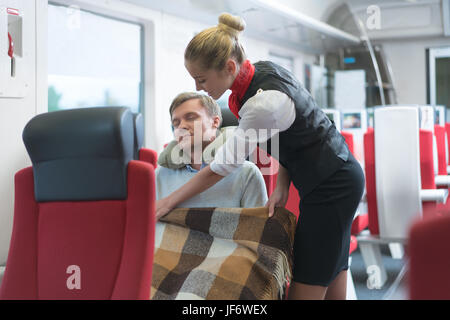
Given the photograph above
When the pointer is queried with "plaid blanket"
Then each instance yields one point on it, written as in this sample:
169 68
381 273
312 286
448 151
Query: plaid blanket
222 254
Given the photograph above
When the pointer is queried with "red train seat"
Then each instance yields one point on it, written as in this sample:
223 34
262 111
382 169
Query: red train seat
84 213
429 261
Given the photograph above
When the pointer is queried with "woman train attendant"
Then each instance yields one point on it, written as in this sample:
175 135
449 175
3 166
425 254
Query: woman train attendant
312 154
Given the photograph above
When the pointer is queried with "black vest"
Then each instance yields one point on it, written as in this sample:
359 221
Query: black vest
311 149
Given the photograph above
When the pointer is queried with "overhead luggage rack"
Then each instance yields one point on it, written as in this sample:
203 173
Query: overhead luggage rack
266 20
281 23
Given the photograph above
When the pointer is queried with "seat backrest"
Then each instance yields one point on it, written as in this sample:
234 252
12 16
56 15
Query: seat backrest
268 167
293 203
84 213
228 118
440 115
427 170
427 118
447 131
397 170
429 261
446 148
149 156
348 136
355 123
369 170
440 134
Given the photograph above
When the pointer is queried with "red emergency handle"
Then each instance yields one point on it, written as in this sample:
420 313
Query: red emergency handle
11 46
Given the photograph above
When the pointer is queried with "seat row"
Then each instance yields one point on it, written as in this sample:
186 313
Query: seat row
113 193
405 156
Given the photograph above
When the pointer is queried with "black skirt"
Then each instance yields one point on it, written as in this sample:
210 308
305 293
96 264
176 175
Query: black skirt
322 238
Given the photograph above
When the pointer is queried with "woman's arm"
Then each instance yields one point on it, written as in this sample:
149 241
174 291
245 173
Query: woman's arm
280 195
272 111
203 180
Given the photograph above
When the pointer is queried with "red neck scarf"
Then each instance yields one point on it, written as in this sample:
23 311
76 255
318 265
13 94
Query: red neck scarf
240 86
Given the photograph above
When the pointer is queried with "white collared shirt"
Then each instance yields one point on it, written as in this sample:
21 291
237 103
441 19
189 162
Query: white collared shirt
271 110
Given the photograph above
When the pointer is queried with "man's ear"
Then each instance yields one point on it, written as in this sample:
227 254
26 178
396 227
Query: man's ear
216 122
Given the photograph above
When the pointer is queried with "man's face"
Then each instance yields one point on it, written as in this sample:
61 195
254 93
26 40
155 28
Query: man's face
191 118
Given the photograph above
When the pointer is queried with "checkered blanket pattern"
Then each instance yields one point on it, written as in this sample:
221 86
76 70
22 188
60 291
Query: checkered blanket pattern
222 254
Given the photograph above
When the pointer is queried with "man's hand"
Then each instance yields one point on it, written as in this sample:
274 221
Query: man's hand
163 207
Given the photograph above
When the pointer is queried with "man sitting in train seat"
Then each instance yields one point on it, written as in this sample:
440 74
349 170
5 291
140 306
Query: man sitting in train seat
188 153
232 250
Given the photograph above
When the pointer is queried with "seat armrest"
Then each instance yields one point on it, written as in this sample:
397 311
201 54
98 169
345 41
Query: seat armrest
2 272
442 181
437 195
365 237
364 196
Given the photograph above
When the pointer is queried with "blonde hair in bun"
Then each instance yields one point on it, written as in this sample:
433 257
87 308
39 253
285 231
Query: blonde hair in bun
214 46
232 24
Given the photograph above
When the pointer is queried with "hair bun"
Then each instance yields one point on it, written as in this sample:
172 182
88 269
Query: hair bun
232 24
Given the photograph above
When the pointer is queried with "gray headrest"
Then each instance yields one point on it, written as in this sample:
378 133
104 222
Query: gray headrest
229 119
80 154
138 134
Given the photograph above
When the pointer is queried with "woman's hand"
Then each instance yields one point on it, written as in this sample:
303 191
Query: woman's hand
203 180
163 207
278 198
280 195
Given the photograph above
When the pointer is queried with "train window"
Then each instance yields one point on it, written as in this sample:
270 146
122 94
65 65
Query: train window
351 120
93 60
439 76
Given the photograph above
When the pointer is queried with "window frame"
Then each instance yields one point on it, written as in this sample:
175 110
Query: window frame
122 18
433 54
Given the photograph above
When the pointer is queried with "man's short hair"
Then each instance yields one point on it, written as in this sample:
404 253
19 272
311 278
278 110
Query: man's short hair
207 102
